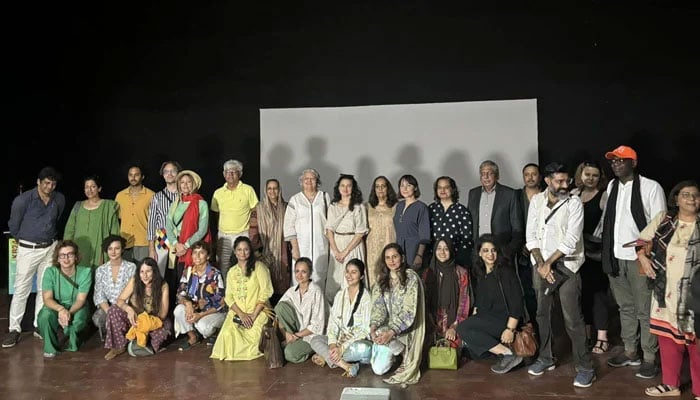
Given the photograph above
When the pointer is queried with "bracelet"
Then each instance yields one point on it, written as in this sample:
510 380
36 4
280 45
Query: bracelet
297 336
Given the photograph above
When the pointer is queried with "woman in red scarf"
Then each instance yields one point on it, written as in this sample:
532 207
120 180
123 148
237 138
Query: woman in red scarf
187 222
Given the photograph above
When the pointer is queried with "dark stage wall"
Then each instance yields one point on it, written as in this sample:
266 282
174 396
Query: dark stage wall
97 87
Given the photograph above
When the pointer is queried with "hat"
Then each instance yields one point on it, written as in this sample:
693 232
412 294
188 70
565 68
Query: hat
622 152
195 177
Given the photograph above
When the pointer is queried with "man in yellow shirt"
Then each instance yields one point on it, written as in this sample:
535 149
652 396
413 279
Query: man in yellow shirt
133 215
233 203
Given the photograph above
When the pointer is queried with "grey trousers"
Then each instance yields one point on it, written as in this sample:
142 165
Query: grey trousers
570 298
633 296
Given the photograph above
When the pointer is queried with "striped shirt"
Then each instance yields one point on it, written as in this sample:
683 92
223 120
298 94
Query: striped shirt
158 211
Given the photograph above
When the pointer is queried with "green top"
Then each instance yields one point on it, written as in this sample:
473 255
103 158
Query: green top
63 290
88 228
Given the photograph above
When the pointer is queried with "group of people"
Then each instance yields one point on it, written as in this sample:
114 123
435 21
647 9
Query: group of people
353 282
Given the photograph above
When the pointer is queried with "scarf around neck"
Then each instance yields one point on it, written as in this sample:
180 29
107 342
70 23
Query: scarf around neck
190 225
610 264
446 282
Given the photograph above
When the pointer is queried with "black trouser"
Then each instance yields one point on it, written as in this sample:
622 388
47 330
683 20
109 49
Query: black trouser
529 296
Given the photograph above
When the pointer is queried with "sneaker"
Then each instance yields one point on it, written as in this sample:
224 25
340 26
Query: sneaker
11 339
623 360
539 367
49 355
37 334
137 351
506 363
584 378
648 370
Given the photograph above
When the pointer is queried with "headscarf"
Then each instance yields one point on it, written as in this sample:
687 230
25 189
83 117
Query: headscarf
447 281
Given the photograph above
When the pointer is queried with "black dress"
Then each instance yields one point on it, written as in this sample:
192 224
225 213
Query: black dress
594 282
482 331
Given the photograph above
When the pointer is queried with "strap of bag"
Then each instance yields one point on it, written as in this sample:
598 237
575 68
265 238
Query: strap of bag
66 277
551 214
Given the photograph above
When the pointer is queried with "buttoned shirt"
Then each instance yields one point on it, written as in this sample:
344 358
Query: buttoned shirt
32 220
234 207
486 210
653 201
563 231
133 213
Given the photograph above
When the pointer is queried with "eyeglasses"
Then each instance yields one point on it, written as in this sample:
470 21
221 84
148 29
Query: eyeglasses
688 195
618 161
231 172
63 256
169 172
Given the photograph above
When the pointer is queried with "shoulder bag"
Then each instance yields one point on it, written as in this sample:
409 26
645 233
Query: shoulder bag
524 342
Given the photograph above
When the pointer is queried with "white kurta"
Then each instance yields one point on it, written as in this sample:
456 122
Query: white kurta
305 221
311 309
345 224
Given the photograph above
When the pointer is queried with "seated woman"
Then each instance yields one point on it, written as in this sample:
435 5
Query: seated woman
65 289
494 320
346 341
248 289
201 310
110 280
447 292
397 322
144 299
302 313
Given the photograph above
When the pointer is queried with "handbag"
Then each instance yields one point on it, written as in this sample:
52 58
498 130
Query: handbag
269 343
442 356
524 340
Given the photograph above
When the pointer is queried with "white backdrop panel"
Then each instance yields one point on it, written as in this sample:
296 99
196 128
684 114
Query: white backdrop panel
425 140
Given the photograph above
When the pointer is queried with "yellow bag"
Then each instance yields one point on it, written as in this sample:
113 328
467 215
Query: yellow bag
442 356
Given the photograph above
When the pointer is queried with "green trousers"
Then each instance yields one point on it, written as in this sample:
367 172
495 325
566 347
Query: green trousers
298 351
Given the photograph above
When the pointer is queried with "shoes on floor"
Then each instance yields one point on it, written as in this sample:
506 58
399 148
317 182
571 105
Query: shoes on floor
648 370
506 363
37 334
662 390
623 360
539 367
584 378
113 353
11 339
49 355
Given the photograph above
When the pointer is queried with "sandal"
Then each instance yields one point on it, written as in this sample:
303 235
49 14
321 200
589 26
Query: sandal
601 347
353 371
318 360
662 390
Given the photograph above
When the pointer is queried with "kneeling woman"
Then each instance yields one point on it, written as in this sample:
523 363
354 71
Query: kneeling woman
348 325
302 313
494 321
65 288
200 312
397 322
248 289
140 313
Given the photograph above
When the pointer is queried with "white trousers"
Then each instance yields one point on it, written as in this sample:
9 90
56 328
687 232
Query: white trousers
29 263
206 325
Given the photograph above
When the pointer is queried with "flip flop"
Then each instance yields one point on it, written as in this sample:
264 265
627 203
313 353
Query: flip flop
662 390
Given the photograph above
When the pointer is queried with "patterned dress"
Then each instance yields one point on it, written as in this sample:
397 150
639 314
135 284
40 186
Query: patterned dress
380 220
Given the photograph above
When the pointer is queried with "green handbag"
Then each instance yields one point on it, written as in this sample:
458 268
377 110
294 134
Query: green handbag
442 355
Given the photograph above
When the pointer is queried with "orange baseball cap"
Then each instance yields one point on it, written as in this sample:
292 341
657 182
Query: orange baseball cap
622 152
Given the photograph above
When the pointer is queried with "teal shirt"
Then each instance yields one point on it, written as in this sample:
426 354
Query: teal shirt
63 291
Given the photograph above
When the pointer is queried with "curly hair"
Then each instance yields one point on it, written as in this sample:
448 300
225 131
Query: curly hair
156 288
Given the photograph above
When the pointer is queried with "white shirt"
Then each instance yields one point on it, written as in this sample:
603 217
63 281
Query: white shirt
311 308
653 200
562 232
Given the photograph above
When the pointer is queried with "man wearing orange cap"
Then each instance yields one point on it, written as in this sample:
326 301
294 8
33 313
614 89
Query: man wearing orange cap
633 201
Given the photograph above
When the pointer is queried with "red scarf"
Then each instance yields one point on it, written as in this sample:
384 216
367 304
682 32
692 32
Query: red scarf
190 225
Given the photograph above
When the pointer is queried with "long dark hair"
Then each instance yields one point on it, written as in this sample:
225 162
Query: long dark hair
391 197
479 268
383 280
250 264
355 195
361 267
156 288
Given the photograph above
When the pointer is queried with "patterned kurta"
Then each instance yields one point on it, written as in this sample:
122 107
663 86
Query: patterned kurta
345 225
338 330
664 321
380 221
234 341
107 290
